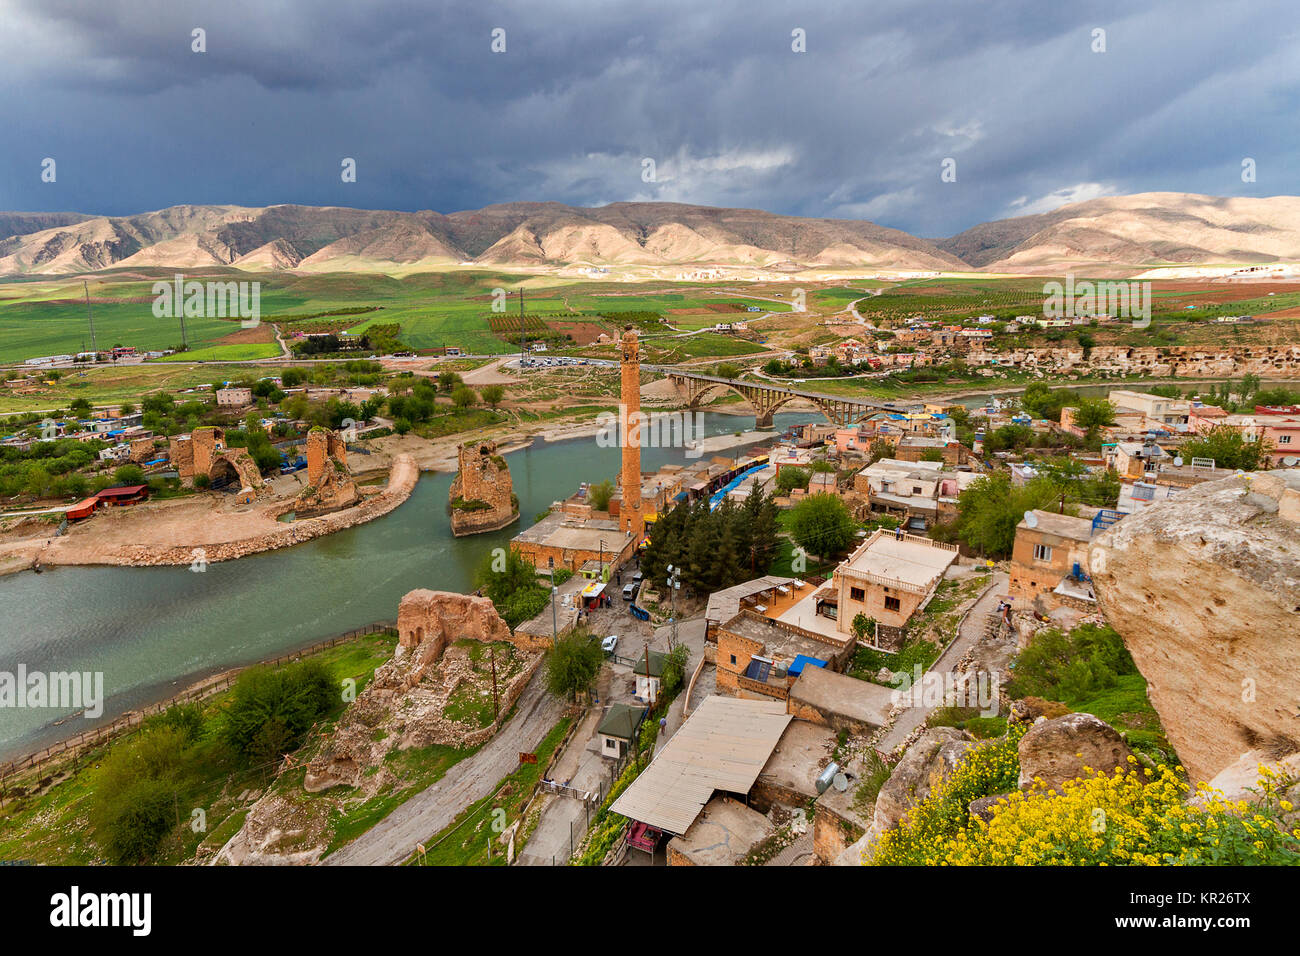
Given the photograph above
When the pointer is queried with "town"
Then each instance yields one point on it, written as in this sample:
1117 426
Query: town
852 601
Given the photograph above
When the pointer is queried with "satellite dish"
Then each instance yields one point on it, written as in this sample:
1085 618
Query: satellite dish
1291 461
1178 462
1031 519
840 782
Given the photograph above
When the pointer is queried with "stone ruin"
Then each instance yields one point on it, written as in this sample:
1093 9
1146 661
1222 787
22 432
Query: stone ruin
330 486
403 705
204 452
481 497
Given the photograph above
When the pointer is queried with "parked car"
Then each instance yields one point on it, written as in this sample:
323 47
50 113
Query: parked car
629 591
609 643
638 578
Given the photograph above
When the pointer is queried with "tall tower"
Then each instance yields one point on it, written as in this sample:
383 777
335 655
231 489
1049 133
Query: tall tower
630 517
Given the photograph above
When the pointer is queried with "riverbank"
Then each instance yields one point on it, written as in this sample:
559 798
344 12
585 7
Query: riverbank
198 531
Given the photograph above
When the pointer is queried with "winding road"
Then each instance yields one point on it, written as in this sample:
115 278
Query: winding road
432 810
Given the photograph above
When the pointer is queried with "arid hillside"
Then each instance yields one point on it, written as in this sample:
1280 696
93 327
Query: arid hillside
1125 232
1143 229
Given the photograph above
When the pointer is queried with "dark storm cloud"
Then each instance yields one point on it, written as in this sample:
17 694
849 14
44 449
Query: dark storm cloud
857 126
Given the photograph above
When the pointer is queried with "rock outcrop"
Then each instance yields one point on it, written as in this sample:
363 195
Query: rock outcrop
407 698
1054 751
1205 591
436 689
927 763
481 497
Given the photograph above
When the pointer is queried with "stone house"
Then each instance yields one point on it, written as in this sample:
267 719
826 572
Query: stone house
1051 554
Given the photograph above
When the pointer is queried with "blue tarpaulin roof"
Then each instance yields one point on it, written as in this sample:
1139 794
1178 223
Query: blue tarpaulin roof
797 667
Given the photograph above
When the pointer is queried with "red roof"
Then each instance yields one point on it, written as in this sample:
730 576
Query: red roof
82 508
127 491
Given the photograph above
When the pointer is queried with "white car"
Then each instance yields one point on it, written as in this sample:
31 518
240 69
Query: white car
609 643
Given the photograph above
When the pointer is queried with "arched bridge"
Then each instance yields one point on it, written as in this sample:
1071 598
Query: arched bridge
766 398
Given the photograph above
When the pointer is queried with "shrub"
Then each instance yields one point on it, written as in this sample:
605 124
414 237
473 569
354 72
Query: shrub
296 696
1070 667
135 789
133 823
572 664
988 768
1131 817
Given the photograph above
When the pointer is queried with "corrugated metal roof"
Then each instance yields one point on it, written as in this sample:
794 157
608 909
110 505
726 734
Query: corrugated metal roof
722 746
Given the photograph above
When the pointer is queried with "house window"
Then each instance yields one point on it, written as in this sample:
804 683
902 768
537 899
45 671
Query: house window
891 604
857 594
1042 552
733 658
916 489
1284 439
550 562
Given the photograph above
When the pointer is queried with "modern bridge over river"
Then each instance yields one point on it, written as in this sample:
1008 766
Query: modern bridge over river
766 398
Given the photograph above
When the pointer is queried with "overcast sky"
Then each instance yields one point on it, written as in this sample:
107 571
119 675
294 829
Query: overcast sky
858 126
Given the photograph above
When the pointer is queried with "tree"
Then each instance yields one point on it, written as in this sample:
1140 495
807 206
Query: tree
822 525
79 407
463 397
492 394
674 670
1229 449
447 381
510 581
1092 414
129 475
991 507
572 664
598 494
296 696
863 626
791 478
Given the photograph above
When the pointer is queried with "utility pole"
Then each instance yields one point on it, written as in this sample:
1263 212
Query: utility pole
555 633
649 692
523 331
674 583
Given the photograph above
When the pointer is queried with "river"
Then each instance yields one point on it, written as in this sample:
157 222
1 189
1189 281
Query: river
153 631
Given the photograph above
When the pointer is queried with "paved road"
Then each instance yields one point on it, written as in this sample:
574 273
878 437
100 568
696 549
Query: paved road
393 839
970 631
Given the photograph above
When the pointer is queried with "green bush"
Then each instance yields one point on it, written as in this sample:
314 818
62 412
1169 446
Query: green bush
573 663
132 804
1069 667
296 696
133 824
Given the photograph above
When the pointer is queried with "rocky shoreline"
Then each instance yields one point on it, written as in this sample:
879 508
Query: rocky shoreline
402 479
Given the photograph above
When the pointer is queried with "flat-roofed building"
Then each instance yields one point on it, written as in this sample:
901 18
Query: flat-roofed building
889 578
562 540
1051 550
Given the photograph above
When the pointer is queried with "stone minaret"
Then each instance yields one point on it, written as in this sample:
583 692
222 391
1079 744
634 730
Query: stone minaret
630 517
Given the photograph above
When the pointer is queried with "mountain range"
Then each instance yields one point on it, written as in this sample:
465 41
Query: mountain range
1140 230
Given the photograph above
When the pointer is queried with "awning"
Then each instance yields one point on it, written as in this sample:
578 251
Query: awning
594 589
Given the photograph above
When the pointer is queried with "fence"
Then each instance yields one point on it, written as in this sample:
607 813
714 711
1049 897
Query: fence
134 718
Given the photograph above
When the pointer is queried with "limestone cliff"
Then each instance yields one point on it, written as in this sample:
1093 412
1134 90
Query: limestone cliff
1205 591
481 497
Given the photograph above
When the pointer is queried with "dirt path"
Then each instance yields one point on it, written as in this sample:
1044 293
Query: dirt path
972 628
429 812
